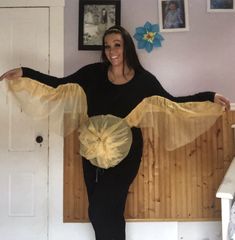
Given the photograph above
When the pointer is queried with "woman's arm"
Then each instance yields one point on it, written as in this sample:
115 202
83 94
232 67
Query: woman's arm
12 74
77 77
198 97
220 99
48 79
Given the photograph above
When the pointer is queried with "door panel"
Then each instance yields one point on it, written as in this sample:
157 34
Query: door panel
24 41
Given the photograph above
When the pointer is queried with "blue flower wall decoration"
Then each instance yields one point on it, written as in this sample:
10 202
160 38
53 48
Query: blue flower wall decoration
148 36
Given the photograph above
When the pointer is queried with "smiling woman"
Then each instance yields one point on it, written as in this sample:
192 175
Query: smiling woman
119 72
115 86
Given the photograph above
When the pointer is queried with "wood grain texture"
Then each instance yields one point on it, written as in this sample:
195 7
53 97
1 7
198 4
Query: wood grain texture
178 185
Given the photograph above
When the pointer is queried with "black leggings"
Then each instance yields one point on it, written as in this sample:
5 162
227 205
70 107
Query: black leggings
107 192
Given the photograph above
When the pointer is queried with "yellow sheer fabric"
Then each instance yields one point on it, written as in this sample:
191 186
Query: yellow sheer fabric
175 123
39 101
106 140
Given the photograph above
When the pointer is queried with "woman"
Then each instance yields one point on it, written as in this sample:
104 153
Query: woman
114 86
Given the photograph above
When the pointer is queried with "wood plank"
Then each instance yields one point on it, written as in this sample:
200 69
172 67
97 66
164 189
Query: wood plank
176 186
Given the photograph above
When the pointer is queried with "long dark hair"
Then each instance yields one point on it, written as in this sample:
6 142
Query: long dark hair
129 53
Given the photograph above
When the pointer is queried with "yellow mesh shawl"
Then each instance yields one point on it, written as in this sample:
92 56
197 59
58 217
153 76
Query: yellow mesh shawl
106 140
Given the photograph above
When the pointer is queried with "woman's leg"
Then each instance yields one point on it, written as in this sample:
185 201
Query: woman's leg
107 193
106 211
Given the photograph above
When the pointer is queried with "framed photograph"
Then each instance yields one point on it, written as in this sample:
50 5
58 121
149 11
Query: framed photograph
173 15
220 6
94 18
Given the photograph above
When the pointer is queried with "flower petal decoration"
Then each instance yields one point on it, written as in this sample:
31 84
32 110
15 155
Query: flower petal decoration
148 37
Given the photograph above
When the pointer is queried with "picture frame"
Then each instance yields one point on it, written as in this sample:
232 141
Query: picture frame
173 15
95 17
220 5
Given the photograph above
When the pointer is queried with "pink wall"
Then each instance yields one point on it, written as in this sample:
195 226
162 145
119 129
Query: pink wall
201 59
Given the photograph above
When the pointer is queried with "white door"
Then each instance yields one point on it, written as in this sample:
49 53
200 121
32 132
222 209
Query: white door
24 40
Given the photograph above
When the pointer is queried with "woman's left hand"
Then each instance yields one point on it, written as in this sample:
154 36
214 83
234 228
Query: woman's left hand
220 99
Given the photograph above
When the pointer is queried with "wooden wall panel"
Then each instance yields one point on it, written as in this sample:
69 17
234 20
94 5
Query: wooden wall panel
178 185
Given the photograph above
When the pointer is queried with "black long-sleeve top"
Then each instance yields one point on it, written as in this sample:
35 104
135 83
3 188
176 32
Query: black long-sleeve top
104 97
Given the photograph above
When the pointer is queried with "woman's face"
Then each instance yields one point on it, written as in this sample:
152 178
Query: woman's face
114 47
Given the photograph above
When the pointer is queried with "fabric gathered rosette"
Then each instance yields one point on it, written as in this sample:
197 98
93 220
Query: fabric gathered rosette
105 140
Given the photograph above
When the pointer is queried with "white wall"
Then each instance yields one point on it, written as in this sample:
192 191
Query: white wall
198 60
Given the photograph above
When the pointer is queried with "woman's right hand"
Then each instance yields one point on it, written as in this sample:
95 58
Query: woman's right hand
12 74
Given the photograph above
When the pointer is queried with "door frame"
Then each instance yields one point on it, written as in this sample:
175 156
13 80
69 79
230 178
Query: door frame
56 68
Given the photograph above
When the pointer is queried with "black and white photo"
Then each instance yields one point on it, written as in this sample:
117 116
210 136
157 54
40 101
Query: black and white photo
94 18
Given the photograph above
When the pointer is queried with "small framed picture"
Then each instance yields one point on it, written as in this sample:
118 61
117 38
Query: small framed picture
173 15
220 6
95 17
